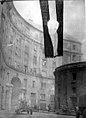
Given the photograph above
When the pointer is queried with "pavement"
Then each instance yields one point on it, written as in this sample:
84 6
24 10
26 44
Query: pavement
5 114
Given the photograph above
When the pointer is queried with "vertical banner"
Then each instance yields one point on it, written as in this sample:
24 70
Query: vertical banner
59 14
48 47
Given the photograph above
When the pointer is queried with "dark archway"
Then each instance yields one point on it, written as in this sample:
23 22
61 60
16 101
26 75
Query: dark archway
15 92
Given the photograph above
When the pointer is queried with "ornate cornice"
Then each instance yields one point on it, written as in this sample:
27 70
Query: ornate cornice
27 26
24 21
71 67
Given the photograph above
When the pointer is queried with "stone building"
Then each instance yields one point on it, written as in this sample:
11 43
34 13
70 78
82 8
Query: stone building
68 76
70 85
72 50
24 71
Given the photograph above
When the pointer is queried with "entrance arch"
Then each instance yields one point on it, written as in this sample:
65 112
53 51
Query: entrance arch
15 92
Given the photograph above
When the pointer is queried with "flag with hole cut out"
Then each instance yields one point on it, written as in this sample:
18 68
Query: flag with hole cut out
53 45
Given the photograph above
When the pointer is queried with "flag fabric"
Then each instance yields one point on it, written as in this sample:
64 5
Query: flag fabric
48 46
59 14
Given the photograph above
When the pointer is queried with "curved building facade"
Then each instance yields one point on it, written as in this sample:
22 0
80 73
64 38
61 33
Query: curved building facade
25 73
70 86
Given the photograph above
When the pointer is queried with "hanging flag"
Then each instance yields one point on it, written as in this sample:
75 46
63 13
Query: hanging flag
48 43
48 47
59 14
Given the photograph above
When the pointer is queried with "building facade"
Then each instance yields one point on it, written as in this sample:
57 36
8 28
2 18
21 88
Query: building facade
72 50
70 86
68 75
24 71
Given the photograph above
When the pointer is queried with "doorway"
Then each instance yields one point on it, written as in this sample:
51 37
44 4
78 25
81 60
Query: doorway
15 92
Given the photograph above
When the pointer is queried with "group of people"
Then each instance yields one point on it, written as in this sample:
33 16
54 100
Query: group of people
80 112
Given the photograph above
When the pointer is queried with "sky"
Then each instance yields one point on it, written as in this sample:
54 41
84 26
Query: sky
74 18
74 15
29 10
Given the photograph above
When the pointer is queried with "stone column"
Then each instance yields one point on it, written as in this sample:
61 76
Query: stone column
9 88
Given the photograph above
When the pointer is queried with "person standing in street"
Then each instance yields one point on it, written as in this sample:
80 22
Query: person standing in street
84 113
77 112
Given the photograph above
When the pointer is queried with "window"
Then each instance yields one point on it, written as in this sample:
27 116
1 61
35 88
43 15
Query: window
10 60
34 70
52 98
33 99
25 83
65 45
33 84
35 60
26 49
18 51
74 90
59 101
18 65
3 16
26 55
59 90
35 48
25 68
18 41
42 96
26 52
44 62
79 58
33 96
73 57
74 47
11 42
43 85
0 57
74 76
15 64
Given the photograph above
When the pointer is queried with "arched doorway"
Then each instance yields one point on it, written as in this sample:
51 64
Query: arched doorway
15 92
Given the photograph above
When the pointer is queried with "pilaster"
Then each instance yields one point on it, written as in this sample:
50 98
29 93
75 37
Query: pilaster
9 88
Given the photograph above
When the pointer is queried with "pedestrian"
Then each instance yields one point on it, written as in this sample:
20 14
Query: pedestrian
48 107
84 113
77 112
